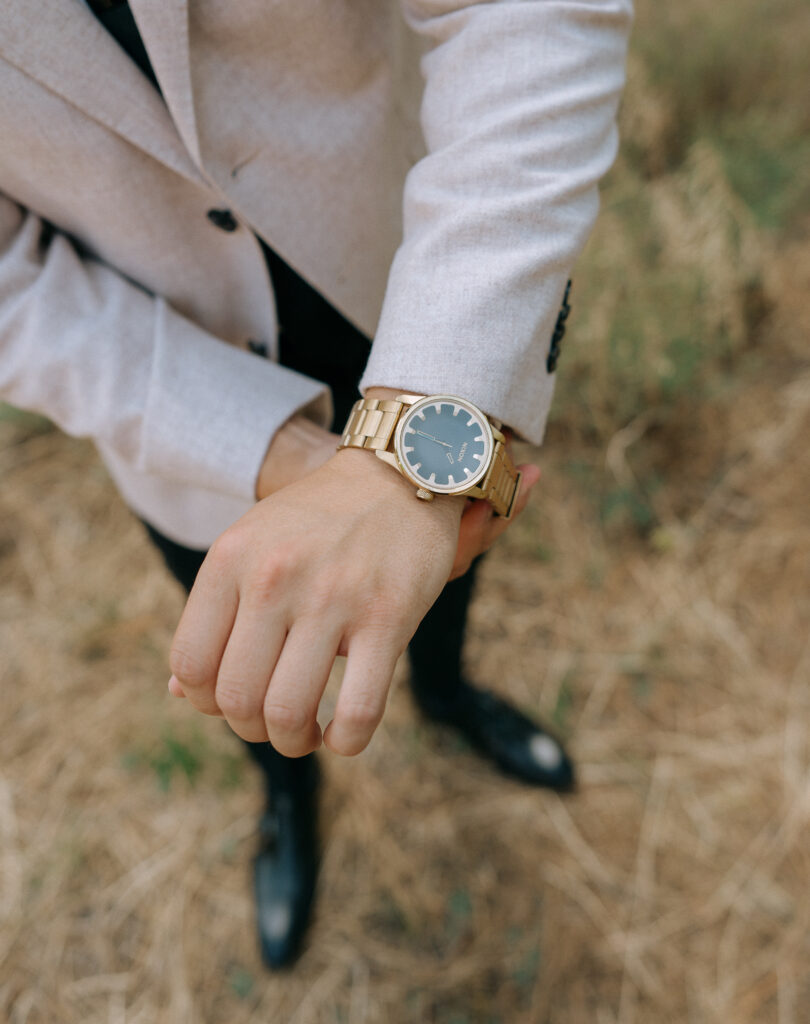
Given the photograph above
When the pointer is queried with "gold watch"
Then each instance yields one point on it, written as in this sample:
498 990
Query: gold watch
441 443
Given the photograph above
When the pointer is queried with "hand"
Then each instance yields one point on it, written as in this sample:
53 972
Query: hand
234 653
344 561
301 446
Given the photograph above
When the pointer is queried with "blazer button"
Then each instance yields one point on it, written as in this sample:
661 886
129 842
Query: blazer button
559 332
258 348
223 219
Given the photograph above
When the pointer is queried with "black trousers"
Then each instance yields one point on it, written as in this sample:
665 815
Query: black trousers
316 340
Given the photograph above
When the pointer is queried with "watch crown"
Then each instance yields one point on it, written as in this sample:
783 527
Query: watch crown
423 494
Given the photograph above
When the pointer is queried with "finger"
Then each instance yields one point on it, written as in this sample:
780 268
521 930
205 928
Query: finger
498 525
247 664
201 636
530 476
474 523
175 689
363 693
472 536
297 685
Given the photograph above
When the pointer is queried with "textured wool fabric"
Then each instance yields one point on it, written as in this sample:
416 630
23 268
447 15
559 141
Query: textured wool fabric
126 311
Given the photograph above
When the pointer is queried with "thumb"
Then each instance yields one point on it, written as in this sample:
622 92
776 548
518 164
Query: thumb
531 474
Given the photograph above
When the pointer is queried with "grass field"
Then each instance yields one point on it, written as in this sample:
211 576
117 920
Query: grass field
653 603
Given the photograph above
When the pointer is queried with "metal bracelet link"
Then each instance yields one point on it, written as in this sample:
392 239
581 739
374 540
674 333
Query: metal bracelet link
371 423
502 484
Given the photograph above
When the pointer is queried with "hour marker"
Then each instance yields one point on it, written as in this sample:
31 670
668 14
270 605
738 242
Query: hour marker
477 456
432 478
438 407
467 471
479 438
451 479
416 465
421 414
471 421
408 450
457 410
410 430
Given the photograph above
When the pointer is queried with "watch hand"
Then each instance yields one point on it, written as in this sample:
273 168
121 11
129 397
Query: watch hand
432 438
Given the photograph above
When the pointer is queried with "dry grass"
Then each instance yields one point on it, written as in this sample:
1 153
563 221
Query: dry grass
653 602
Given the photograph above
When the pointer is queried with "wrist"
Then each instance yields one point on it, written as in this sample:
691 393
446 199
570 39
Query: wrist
378 474
298 447
368 471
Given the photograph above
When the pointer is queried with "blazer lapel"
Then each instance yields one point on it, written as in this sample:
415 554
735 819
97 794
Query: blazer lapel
163 25
61 45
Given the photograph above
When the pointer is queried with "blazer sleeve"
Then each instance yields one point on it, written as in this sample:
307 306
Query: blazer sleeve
519 121
85 346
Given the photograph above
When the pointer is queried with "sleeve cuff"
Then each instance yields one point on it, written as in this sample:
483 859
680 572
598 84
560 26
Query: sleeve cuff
494 357
212 409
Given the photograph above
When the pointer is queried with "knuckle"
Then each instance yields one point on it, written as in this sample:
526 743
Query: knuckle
288 749
360 714
389 608
321 600
190 667
226 547
286 718
272 575
236 702
354 586
349 747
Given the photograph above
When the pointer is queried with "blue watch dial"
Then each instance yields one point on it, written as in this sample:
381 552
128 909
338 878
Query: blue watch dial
444 444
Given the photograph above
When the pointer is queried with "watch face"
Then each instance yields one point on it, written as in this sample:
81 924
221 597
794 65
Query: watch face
444 444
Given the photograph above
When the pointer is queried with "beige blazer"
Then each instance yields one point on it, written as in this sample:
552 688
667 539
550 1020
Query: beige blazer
125 311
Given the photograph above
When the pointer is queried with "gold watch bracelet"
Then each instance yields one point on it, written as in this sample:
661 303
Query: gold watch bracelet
372 422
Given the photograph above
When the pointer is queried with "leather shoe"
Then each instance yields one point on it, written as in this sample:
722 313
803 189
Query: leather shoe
520 747
285 870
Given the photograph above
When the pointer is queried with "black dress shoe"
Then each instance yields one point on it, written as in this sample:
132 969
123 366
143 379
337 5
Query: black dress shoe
520 747
284 872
